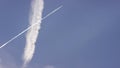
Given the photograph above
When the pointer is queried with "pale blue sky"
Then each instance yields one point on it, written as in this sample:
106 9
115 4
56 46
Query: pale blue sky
83 34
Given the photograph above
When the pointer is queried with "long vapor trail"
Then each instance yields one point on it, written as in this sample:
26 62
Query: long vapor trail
32 34
29 28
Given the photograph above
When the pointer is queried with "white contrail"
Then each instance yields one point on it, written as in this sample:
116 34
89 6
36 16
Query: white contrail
32 34
28 28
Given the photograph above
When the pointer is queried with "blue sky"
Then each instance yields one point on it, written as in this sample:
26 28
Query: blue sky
83 34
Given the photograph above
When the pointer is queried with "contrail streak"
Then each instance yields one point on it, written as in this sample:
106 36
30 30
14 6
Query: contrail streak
32 34
29 27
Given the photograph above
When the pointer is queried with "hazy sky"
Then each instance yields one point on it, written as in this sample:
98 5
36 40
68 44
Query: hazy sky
83 34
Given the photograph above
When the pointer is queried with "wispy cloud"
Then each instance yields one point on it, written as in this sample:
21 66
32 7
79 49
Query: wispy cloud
32 34
35 22
49 66
8 65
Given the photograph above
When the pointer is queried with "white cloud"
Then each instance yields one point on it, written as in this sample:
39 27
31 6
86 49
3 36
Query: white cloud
7 65
0 63
49 66
1 66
